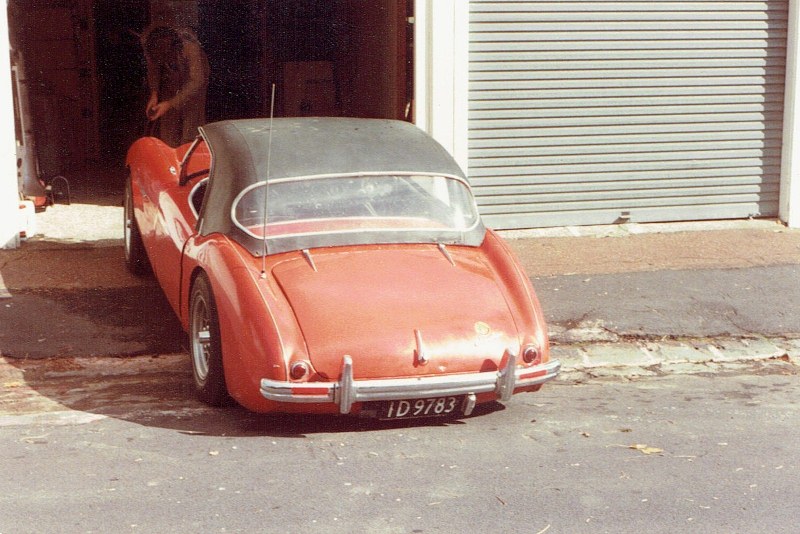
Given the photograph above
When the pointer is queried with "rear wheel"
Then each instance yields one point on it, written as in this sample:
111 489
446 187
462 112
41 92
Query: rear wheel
206 346
135 254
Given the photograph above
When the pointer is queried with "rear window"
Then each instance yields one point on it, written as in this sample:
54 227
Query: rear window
379 203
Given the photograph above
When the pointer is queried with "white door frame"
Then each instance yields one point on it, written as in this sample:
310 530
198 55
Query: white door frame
441 73
790 155
9 185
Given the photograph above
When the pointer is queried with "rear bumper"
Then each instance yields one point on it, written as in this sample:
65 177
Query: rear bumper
348 391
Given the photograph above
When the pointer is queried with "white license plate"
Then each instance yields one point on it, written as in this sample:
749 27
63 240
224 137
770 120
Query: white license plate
410 408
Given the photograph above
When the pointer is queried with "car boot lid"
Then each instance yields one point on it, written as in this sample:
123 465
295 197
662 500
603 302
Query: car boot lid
398 311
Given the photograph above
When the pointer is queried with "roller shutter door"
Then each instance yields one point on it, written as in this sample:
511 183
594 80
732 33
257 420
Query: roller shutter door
598 112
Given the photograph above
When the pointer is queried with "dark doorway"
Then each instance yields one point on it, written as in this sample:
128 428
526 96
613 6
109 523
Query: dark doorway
121 74
325 57
231 36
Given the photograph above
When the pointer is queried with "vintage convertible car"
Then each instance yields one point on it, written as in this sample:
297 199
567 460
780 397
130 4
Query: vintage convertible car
333 266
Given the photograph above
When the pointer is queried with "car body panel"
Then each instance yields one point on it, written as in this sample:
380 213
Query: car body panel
163 211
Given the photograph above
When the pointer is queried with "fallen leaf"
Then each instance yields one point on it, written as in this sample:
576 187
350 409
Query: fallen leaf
645 449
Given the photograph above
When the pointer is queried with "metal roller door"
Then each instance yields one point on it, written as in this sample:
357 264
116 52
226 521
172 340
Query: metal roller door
597 112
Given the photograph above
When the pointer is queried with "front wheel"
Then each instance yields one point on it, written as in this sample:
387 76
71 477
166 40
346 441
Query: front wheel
206 346
135 254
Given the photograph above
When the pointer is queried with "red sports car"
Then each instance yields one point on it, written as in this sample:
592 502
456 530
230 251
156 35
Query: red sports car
333 266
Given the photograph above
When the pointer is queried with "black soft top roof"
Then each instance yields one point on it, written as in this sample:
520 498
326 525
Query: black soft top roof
309 146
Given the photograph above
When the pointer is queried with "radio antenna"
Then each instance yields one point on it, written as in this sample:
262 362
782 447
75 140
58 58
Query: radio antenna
266 184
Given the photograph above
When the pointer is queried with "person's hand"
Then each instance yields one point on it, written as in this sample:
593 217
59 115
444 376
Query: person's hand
158 110
151 103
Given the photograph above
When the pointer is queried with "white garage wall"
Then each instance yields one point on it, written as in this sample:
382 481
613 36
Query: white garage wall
9 199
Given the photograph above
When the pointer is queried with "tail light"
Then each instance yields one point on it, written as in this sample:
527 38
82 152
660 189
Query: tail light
531 355
299 370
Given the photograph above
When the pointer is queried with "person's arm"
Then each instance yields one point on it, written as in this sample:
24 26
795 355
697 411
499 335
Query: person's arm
197 75
152 84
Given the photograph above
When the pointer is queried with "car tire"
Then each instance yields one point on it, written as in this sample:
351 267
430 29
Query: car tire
205 344
135 254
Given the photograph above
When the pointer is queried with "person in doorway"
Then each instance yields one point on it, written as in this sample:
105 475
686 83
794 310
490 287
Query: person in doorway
177 76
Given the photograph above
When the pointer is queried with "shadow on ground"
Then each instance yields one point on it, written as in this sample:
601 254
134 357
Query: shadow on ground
88 322
156 391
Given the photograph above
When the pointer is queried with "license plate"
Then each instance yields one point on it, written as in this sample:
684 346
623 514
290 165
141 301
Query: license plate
411 408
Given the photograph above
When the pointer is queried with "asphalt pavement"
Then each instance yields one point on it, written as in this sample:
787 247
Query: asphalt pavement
659 455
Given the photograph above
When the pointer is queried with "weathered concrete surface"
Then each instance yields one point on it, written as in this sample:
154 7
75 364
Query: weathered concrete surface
635 436
64 387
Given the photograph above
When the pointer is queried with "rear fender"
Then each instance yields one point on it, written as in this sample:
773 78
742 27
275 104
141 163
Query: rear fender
521 296
258 330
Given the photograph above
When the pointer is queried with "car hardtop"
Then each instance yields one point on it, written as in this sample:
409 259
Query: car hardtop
247 154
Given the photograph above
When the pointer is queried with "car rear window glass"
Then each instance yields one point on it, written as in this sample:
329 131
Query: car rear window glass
382 203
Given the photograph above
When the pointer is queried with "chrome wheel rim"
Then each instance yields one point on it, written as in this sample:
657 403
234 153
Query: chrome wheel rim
128 223
201 338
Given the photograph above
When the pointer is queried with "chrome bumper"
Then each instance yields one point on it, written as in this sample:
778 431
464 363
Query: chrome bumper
348 391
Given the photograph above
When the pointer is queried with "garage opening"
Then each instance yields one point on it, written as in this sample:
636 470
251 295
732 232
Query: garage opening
87 78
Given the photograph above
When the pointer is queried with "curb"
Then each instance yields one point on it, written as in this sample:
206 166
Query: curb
641 358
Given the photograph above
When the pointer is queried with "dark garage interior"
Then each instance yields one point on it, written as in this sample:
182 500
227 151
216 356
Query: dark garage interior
83 77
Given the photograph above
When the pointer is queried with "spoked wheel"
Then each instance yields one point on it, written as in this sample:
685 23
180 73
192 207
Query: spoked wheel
209 376
135 254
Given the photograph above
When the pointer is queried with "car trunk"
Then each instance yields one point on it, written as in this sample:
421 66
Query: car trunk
373 303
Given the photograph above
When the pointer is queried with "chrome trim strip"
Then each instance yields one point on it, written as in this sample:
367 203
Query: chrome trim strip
191 196
358 174
348 391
